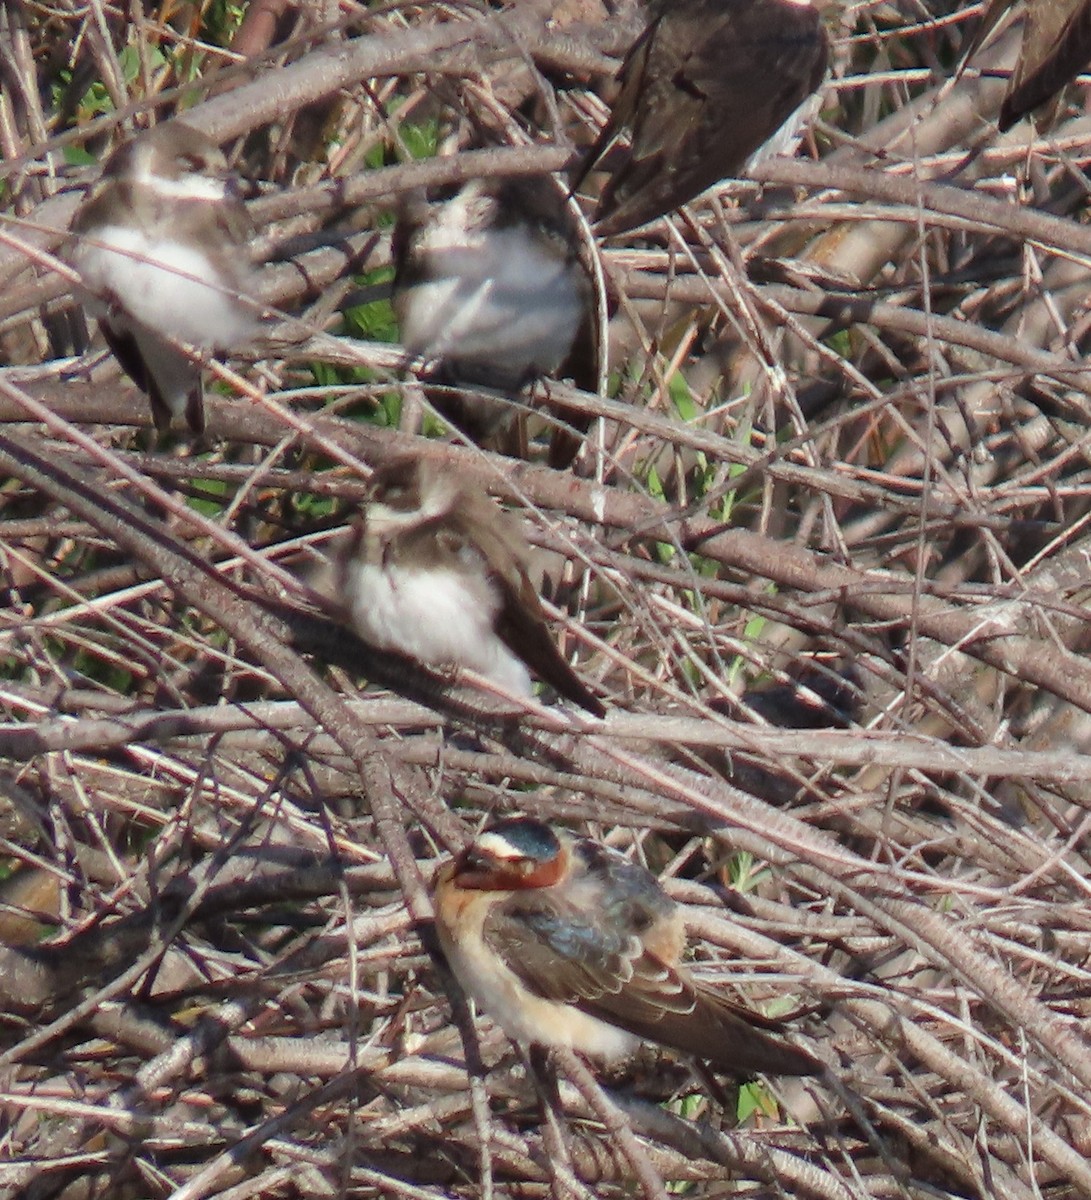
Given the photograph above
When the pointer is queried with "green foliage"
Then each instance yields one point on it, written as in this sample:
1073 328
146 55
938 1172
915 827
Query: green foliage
79 156
312 507
421 140
741 873
221 21
416 140
211 498
374 320
688 1106
389 412
752 633
682 398
371 321
840 342
755 1100
96 100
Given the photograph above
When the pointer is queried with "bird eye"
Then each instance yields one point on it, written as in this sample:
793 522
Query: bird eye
481 861
475 860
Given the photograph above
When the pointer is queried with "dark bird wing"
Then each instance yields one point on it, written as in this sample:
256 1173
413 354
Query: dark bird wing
703 88
521 623
1056 48
563 954
126 349
521 627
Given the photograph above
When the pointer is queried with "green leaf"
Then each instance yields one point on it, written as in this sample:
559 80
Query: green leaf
421 140
682 398
754 1098
211 499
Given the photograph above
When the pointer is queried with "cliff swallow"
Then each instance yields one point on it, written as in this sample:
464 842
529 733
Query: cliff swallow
160 246
703 89
439 572
490 291
567 943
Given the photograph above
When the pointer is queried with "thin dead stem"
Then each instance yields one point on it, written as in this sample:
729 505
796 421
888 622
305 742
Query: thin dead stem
823 555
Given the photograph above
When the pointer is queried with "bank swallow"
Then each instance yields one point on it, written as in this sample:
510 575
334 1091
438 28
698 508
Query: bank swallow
160 243
567 943
1056 48
439 572
490 291
703 89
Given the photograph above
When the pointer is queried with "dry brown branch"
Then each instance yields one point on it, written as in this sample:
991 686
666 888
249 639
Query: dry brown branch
844 438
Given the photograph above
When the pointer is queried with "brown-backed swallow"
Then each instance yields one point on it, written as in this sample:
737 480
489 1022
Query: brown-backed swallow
567 943
490 290
703 90
160 244
439 572
1056 47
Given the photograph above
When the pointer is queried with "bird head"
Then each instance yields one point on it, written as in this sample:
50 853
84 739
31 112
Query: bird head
512 855
177 159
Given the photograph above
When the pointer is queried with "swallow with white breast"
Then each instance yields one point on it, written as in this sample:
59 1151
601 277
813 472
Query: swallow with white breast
565 942
708 86
439 572
160 243
490 292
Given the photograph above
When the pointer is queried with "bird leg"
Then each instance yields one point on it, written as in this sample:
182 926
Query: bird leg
617 1125
543 1071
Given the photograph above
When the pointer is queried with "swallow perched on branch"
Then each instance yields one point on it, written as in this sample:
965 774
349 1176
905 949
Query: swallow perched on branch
704 89
160 243
1055 48
490 290
439 572
567 943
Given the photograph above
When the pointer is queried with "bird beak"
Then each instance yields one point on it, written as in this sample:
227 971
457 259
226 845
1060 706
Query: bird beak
472 870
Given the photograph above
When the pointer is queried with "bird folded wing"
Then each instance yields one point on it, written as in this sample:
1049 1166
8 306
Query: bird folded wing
566 955
562 954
